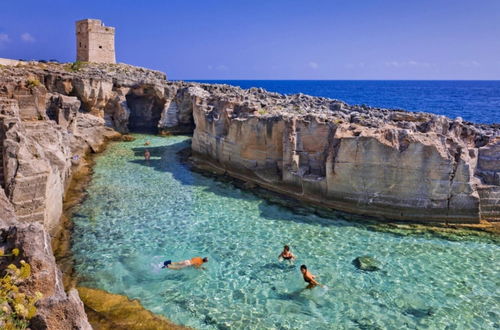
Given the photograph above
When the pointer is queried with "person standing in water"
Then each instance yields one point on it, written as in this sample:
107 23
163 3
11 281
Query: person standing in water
308 277
196 262
286 254
147 155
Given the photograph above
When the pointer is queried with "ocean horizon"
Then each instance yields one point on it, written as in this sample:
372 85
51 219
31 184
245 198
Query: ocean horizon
472 100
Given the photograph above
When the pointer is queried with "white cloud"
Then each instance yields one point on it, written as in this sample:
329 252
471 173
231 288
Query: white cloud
410 63
313 65
27 37
467 64
4 38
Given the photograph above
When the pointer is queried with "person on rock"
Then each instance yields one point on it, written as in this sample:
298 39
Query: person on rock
286 254
147 155
196 262
308 277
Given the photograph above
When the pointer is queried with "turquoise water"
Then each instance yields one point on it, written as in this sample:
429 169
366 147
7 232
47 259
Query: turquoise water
138 214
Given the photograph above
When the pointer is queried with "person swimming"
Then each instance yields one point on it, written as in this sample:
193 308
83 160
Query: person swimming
196 262
286 254
308 277
147 154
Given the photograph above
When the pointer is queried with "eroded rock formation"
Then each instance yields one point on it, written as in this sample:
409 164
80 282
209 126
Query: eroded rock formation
377 162
57 309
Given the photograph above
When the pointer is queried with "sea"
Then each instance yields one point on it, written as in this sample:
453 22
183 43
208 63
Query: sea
139 213
473 100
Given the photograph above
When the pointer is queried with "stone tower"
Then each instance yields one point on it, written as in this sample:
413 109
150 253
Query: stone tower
95 42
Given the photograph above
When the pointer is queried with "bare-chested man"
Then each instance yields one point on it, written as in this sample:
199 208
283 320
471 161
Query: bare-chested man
308 277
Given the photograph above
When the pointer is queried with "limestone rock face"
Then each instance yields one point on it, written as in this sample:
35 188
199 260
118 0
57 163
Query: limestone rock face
63 109
57 309
388 164
391 164
7 213
384 163
43 132
94 94
37 183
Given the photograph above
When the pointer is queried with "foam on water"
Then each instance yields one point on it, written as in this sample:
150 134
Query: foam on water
140 213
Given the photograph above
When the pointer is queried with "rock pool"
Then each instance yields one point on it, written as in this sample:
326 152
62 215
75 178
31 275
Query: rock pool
139 213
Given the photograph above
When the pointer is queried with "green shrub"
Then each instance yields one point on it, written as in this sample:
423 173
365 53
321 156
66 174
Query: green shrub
16 308
75 66
32 82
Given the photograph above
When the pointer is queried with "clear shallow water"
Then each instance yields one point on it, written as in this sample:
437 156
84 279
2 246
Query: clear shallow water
138 214
476 101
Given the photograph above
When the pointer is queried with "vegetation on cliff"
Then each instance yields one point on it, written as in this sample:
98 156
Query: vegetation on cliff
16 307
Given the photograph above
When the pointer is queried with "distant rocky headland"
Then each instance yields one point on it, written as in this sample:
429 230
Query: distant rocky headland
387 164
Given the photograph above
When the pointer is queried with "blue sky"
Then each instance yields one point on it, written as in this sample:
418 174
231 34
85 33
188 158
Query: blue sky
273 39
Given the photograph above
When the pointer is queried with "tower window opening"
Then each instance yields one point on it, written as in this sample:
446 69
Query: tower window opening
100 47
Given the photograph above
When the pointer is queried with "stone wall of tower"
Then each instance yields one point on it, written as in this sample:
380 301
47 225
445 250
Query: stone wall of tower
95 42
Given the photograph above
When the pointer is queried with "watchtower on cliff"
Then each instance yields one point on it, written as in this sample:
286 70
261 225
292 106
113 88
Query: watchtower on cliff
95 42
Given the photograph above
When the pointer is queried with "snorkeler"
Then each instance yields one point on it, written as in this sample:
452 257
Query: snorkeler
147 154
196 262
286 254
308 277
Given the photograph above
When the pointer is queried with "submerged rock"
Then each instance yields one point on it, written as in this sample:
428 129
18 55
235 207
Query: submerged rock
127 138
366 263
368 324
419 312
112 311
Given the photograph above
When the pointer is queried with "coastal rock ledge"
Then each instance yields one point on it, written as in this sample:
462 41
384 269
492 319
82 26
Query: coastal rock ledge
390 164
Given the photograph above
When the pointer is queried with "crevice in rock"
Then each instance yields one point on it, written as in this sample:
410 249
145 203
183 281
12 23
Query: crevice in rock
145 112
455 161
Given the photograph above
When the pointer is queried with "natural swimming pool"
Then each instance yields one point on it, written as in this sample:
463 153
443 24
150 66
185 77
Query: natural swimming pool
139 213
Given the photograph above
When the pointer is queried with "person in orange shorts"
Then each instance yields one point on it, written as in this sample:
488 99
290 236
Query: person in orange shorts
196 262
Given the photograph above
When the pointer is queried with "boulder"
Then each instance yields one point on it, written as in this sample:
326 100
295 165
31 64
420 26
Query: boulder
57 309
366 263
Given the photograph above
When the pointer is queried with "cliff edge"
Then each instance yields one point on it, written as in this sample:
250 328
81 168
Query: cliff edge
390 164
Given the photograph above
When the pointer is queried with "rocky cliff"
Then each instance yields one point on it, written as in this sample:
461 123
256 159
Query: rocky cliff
383 163
386 163
389 164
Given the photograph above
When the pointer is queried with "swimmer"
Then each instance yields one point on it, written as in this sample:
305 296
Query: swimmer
286 254
196 262
308 277
147 143
147 154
